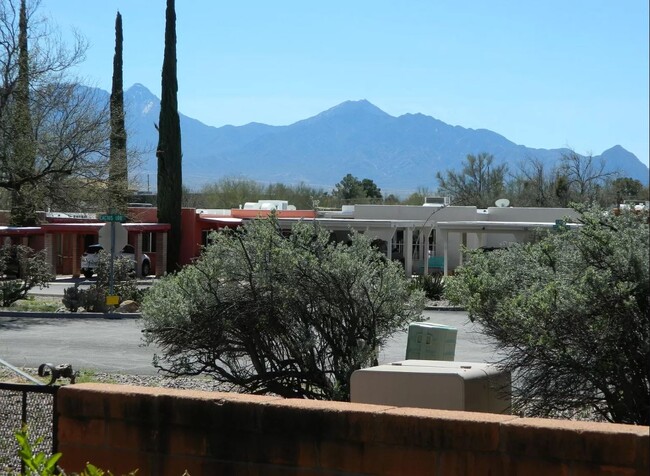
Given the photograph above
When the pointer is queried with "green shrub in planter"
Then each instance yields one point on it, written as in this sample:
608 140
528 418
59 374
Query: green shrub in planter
93 299
72 298
433 285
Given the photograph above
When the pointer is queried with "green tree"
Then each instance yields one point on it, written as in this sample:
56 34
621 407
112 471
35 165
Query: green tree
230 192
626 188
570 316
391 200
52 132
351 188
293 316
302 196
23 210
370 189
169 154
562 189
418 197
118 178
479 183
533 185
585 177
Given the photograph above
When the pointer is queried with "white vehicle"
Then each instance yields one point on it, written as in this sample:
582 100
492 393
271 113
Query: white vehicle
90 258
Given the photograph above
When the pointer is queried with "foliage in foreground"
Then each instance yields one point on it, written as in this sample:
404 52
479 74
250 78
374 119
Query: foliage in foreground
293 316
21 269
39 464
570 316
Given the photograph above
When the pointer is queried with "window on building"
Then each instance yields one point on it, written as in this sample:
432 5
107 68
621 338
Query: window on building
149 242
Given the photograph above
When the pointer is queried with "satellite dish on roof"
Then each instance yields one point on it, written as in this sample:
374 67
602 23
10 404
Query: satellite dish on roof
502 202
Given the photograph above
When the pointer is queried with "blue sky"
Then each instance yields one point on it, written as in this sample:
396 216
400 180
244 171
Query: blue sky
544 74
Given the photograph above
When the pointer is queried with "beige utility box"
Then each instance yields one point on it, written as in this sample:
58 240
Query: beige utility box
429 341
467 386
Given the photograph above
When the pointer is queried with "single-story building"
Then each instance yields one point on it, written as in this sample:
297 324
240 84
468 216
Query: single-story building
420 237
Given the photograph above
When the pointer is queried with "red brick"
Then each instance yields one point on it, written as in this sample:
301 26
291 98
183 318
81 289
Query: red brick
327 421
486 464
154 429
280 449
77 401
82 430
397 461
337 456
536 467
126 435
439 429
591 469
184 441
600 443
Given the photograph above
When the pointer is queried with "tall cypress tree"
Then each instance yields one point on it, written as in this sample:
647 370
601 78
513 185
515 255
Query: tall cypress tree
23 198
118 172
169 154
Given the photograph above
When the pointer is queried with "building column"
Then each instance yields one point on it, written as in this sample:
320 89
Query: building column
408 251
138 255
50 254
76 259
463 242
425 249
445 248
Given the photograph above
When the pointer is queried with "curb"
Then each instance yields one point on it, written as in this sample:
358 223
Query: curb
444 308
72 315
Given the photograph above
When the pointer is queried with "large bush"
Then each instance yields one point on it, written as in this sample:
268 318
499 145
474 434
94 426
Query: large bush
570 316
290 315
21 269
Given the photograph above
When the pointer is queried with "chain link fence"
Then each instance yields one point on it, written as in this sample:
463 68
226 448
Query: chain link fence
31 405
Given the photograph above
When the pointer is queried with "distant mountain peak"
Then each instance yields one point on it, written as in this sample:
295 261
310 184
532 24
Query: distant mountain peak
361 106
617 149
139 88
141 99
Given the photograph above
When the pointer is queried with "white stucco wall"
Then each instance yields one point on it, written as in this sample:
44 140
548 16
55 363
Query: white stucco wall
412 212
529 214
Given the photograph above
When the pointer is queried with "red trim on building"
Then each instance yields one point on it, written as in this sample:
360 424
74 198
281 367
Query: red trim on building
86 228
20 231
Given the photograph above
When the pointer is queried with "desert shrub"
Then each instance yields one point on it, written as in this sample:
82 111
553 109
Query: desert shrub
72 298
269 313
22 269
433 285
570 316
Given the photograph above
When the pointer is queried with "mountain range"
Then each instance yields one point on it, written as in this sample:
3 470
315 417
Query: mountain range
399 154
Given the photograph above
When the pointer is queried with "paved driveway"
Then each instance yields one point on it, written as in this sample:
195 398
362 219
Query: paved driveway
115 345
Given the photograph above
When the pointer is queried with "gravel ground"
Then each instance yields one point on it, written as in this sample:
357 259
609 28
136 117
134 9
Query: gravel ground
191 383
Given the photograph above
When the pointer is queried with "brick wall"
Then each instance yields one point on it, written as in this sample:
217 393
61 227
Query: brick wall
165 432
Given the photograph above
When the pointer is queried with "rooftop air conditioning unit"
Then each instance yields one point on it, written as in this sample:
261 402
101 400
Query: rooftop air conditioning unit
437 201
273 204
464 386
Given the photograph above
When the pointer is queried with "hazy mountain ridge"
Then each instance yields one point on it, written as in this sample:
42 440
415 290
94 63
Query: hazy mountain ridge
398 153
